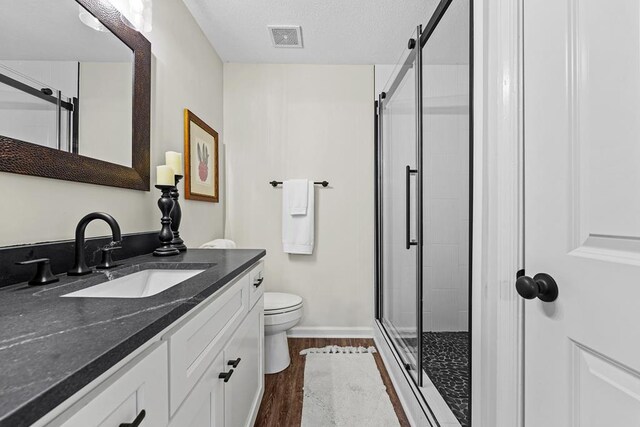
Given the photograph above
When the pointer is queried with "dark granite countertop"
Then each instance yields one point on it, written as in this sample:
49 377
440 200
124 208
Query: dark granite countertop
51 347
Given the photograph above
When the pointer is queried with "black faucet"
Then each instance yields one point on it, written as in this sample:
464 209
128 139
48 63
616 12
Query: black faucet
80 266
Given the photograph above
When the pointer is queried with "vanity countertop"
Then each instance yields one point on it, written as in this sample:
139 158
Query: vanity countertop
51 347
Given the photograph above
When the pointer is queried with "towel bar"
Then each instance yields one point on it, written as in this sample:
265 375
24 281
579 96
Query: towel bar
323 183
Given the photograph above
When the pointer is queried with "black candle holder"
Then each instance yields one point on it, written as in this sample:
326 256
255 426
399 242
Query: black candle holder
165 203
176 217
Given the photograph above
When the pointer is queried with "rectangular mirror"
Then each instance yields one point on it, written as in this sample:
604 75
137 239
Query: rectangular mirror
74 93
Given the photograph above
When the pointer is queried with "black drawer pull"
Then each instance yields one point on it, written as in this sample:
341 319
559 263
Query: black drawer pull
234 363
259 282
226 376
135 422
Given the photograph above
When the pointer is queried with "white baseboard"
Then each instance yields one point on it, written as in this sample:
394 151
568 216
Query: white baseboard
330 332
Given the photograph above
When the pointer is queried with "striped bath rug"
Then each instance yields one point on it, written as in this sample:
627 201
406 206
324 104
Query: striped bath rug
343 387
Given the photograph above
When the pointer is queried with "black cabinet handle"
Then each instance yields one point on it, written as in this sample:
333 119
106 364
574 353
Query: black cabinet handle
234 363
226 376
135 422
259 282
409 171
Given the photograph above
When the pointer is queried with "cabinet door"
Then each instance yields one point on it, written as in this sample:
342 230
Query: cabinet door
140 385
197 341
204 407
243 392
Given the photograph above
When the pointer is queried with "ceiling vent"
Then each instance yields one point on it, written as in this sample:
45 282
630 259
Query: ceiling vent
285 35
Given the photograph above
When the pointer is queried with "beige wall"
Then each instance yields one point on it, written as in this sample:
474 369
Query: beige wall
186 72
305 121
104 128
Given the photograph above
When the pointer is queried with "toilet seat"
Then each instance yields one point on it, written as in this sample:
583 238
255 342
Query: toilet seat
280 303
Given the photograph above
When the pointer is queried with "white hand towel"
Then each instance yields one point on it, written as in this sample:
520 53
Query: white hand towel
297 193
297 230
219 244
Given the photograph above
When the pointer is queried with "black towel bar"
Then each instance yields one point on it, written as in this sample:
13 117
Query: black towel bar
323 183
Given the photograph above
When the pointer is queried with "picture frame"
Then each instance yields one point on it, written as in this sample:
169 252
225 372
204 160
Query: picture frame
201 160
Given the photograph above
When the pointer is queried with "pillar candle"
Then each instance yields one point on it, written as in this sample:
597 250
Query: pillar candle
165 175
174 159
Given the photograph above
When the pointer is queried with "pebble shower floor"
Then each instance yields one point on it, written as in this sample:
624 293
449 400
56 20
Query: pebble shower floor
445 358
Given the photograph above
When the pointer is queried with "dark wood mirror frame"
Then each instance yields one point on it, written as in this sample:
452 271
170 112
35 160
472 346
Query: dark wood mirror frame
31 159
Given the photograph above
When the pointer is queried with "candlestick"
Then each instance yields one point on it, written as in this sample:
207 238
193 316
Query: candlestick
176 217
174 159
165 176
165 203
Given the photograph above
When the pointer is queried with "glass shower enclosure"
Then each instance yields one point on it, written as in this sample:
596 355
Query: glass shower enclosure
423 236
399 210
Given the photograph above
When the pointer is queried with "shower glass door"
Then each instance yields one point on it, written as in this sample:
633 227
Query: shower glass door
399 210
424 146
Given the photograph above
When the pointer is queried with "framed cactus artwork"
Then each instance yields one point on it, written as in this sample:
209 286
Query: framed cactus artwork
201 160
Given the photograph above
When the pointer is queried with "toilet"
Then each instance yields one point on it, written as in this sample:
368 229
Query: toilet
281 312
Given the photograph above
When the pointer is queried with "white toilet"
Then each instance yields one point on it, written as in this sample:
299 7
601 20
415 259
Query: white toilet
281 313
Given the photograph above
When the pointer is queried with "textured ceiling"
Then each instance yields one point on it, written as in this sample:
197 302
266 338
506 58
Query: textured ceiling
333 31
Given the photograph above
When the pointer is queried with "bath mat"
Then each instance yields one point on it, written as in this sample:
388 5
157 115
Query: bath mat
343 387
338 349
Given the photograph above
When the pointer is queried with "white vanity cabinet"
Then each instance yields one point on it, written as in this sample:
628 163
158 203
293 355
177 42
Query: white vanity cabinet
206 370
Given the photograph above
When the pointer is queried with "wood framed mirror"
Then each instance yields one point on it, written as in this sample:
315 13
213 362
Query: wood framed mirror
98 132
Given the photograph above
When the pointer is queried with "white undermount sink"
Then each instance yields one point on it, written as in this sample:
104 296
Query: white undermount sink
141 284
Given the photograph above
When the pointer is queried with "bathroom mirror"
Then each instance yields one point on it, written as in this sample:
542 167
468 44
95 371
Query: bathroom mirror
74 93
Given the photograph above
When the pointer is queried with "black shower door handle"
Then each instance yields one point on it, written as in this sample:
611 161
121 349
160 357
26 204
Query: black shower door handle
409 241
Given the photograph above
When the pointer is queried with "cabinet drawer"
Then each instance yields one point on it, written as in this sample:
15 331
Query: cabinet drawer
243 391
139 385
194 345
256 275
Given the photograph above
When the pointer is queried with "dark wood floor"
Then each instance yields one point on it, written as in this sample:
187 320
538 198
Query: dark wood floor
282 402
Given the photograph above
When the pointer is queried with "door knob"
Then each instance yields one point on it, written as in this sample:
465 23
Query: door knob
541 285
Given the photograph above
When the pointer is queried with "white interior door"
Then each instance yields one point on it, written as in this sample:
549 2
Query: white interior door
582 211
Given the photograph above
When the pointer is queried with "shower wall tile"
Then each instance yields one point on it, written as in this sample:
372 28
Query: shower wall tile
446 194
443 164
463 80
463 247
444 273
427 321
444 186
443 317
444 226
463 321
443 135
463 278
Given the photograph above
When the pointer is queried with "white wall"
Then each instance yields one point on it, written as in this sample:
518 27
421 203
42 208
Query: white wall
104 128
316 122
186 72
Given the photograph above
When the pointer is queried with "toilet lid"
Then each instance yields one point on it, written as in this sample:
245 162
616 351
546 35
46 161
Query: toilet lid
274 301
